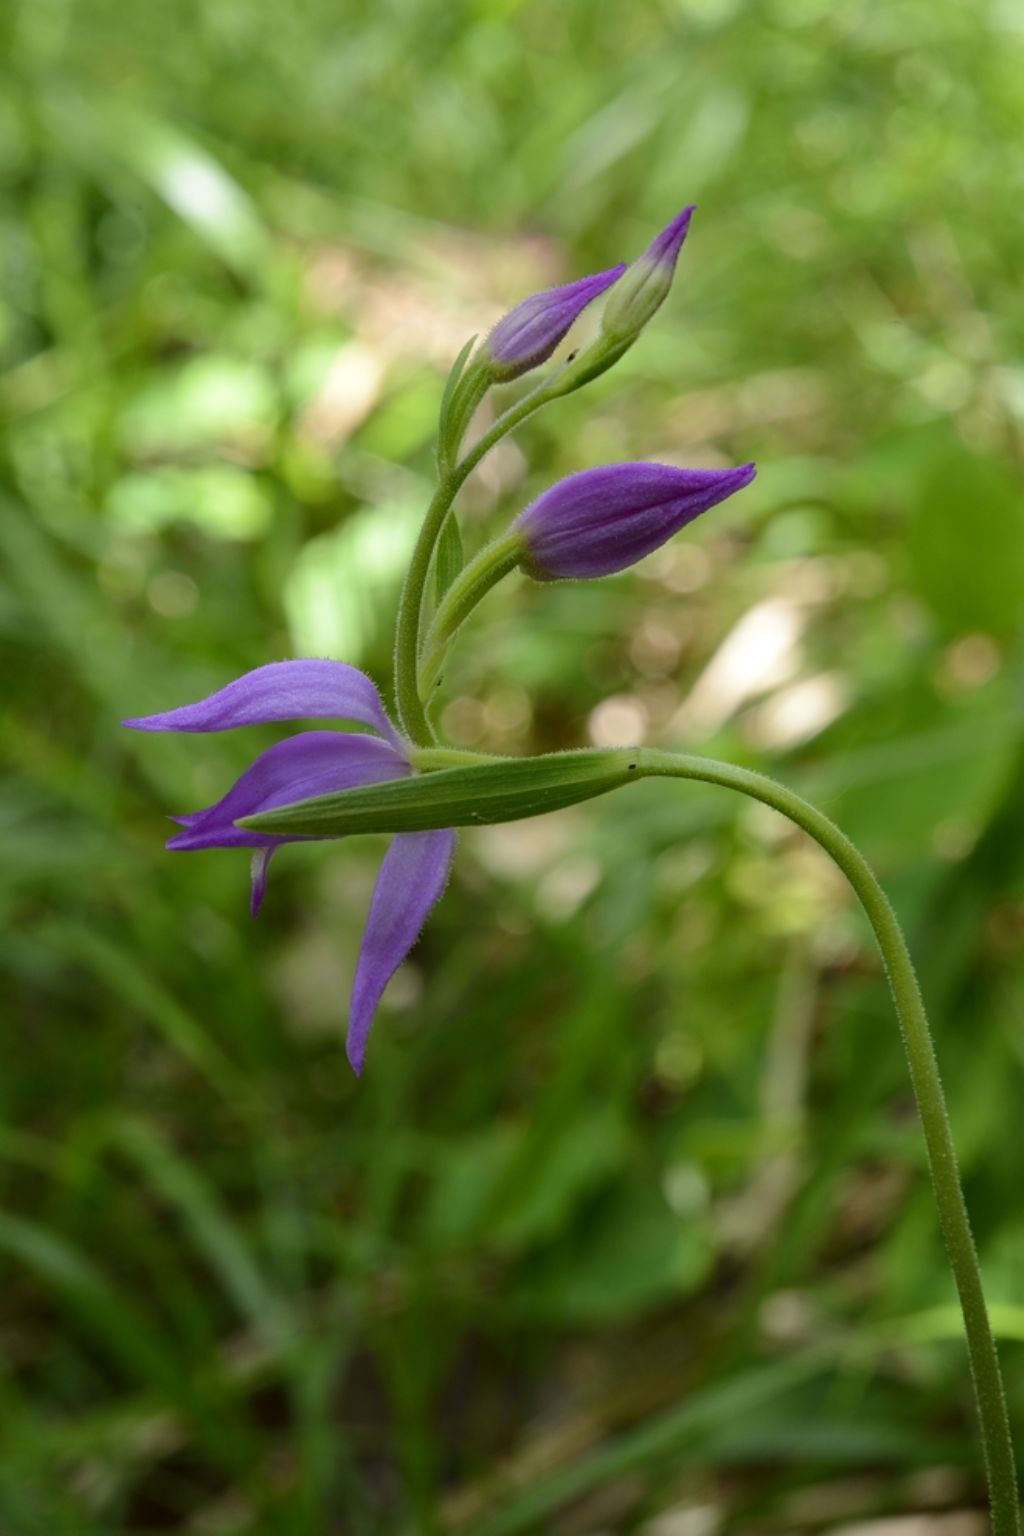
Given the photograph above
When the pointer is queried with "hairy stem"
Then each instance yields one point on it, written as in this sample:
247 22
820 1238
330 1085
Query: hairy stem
924 1075
471 585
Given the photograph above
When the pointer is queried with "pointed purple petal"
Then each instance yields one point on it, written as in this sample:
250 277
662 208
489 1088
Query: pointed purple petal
665 248
282 690
411 880
312 763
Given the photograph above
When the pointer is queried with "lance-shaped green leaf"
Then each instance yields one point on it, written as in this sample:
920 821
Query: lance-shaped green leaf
454 375
491 790
454 401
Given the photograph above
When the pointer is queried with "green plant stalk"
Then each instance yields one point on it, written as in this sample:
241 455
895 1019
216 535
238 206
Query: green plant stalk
466 591
453 789
989 1395
954 1221
577 370
410 608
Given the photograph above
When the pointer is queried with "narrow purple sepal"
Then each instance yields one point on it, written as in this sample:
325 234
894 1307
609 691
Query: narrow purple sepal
528 334
602 520
664 248
281 690
311 763
411 881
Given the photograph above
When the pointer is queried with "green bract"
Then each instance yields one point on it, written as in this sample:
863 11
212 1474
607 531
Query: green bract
487 791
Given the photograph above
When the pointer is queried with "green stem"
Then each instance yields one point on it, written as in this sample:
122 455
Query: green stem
470 586
924 1075
407 630
410 607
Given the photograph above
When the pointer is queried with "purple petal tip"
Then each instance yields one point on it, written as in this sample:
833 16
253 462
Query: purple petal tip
307 689
666 246
412 877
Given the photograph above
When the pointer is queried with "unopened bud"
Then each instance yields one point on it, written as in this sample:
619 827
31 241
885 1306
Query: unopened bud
643 289
528 334
602 520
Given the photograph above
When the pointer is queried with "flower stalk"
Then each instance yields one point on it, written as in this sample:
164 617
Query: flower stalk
954 1222
468 589
476 790
410 605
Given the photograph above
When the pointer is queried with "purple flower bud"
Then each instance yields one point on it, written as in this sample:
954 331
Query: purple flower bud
603 520
528 334
645 286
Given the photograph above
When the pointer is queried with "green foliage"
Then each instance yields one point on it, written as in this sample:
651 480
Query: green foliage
625 1221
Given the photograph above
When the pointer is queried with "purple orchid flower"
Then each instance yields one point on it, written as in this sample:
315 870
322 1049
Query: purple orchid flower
528 334
602 520
417 864
646 284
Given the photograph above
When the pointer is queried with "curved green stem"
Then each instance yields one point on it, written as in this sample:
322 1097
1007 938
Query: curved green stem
410 608
407 630
470 586
924 1074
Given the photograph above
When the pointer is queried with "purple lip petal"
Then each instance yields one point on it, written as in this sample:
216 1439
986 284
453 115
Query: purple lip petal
281 690
411 880
528 334
312 763
602 520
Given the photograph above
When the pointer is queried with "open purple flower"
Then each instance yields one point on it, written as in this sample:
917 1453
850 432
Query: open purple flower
602 520
528 334
417 864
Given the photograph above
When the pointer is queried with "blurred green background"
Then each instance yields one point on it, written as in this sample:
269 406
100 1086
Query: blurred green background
626 1228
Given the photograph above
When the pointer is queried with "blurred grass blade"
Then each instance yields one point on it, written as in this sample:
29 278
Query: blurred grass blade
214 1234
193 183
119 970
939 1323
129 1333
670 1434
